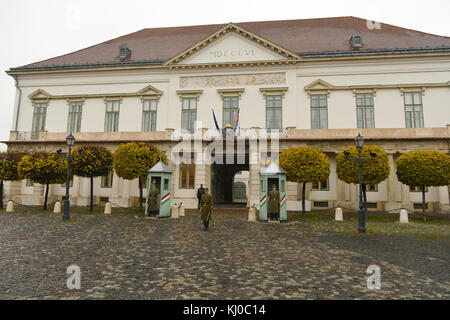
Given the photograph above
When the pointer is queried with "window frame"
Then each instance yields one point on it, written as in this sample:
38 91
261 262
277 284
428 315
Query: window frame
39 117
319 108
274 98
364 108
107 180
72 115
320 186
152 114
116 116
231 109
188 167
189 111
413 105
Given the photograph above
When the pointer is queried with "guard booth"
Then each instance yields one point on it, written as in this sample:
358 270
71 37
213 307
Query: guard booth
161 176
271 175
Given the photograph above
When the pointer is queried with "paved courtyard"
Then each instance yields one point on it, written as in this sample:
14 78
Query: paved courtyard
124 256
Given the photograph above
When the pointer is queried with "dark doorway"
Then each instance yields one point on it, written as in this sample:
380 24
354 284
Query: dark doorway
222 180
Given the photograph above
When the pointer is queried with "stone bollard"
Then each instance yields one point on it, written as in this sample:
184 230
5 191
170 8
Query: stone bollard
252 214
175 212
108 208
339 216
10 206
57 208
181 210
404 216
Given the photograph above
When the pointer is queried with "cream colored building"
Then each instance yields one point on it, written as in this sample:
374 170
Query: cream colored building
319 81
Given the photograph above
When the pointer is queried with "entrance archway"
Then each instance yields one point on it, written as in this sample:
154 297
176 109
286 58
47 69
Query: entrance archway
222 181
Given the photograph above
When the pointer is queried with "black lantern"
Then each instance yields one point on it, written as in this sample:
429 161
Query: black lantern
359 141
70 140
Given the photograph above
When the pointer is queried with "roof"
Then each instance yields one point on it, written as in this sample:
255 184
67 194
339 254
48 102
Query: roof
271 169
306 38
160 167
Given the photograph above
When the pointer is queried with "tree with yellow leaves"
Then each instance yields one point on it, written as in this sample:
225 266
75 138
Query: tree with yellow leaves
8 170
424 169
43 168
133 160
91 162
375 167
303 165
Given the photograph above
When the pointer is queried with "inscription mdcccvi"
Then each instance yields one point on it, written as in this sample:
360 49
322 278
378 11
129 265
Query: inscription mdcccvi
232 53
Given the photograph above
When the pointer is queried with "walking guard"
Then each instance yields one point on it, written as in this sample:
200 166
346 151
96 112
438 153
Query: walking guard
206 206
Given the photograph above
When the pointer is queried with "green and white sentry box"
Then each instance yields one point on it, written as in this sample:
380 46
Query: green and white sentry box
271 175
161 176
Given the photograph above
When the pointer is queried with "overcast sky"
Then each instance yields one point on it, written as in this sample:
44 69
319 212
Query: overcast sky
33 30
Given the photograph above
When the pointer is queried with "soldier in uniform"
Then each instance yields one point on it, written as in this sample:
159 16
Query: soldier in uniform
206 206
200 193
153 201
274 201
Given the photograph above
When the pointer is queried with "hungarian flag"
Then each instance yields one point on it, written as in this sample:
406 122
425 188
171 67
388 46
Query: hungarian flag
237 131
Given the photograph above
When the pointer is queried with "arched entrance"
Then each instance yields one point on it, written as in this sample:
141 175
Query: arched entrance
223 182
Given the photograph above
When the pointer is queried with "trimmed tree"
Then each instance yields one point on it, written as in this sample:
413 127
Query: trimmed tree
133 160
91 162
303 165
373 171
424 169
8 170
43 168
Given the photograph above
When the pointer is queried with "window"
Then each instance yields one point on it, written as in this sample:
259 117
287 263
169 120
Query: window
39 114
230 110
149 115
417 189
107 180
273 112
320 186
29 183
166 184
112 116
263 186
413 109
320 204
189 114
364 110
319 111
187 174
371 187
74 122
70 183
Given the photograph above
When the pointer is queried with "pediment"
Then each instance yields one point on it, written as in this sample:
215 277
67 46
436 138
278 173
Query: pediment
39 94
232 44
149 91
319 85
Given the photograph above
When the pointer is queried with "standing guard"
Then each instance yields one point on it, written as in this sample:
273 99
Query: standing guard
206 209
153 201
274 201
200 193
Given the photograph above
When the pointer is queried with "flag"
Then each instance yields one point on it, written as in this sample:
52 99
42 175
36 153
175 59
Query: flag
237 131
215 122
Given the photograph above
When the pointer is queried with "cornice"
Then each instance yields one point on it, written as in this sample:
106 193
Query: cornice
320 86
97 68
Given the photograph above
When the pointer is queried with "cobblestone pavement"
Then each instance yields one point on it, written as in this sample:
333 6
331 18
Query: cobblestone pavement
123 256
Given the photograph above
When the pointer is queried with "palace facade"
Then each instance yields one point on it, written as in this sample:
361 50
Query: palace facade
318 82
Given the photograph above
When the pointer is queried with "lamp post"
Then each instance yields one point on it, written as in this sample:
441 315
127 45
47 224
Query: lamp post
70 140
359 143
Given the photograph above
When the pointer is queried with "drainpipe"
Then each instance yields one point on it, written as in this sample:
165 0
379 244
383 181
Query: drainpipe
18 102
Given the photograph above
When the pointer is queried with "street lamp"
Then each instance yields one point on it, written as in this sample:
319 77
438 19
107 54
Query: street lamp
359 143
70 140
